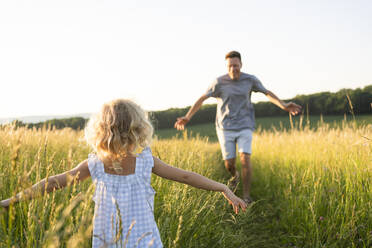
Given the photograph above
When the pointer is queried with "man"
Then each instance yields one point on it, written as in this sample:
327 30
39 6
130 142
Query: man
235 117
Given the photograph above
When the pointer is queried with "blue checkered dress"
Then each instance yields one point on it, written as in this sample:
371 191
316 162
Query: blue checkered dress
124 205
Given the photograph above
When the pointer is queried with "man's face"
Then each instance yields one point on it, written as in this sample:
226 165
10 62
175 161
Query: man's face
233 67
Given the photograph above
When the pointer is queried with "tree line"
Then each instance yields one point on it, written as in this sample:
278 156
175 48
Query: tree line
77 123
344 101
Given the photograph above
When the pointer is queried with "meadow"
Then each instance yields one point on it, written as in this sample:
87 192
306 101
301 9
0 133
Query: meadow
312 188
274 124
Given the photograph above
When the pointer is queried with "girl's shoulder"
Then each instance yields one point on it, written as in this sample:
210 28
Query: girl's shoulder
93 158
145 152
145 159
94 165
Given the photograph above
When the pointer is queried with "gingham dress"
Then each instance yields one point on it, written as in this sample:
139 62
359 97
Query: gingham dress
124 205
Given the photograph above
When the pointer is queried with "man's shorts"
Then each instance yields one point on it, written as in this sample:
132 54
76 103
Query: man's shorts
229 138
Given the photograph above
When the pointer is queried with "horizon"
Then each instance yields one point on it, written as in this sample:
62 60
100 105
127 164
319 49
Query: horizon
42 118
165 54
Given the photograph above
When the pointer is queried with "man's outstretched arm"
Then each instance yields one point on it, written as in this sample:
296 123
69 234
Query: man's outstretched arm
290 107
182 121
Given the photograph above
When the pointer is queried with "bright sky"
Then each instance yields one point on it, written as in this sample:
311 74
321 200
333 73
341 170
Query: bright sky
70 56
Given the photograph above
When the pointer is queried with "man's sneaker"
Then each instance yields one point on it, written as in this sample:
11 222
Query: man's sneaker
248 200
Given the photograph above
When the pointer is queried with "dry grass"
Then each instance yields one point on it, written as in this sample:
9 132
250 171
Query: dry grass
313 189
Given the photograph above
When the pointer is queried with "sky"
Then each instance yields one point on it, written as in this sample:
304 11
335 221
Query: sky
68 57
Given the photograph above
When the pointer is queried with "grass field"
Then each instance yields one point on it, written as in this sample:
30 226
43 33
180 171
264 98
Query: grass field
277 123
312 189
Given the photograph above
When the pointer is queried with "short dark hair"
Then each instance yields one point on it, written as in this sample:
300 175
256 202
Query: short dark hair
233 54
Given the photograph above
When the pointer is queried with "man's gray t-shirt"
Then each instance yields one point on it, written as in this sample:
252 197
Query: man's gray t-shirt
234 108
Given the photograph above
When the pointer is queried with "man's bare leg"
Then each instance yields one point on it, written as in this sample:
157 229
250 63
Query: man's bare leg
230 166
245 159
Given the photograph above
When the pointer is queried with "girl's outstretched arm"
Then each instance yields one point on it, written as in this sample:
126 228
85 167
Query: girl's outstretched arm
194 179
77 174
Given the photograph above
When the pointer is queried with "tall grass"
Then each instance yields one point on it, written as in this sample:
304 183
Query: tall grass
320 182
312 189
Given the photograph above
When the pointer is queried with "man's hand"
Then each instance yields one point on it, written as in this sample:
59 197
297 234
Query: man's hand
181 122
292 108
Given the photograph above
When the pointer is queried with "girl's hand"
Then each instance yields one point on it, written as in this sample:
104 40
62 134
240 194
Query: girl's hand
235 201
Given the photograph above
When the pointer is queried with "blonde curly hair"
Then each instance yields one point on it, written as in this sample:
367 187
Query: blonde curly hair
119 129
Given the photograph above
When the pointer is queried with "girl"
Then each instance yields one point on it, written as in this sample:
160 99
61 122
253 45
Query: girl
123 194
